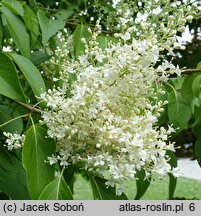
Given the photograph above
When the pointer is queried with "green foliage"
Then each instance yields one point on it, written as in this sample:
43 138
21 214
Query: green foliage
35 152
80 32
172 179
187 91
17 31
176 103
57 190
12 176
196 86
184 111
30 20
142 184
8 113
1 34
69 176
51 27
198 65
103 41
10 85
198 150
14 6
30 72
197 123
101 192
39 57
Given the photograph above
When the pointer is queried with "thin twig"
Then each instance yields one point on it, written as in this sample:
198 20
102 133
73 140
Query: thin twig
190 71
30 108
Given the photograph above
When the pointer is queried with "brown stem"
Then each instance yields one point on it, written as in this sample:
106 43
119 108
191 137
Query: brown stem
190 71
30 108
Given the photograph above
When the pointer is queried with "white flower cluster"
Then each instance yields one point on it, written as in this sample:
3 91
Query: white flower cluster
159 19
51 69
105 122
108 124
14 140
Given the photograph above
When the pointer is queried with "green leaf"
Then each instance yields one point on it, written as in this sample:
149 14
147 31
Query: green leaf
10 85
199 65
39 57
81 31
141 183
172 179
197 116
103 41
69 177
6 114
30 20
102 192
197 122
50 27
31 73
177 82
36 149
14 6
196 86
57 190
17 31
197 150
1 34
3 196
179 112
186 90
172 186
33 4
12 176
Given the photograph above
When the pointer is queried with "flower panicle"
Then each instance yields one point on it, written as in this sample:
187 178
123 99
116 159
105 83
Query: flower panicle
14 140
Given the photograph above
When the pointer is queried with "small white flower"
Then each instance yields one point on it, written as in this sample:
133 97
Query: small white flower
43 95
14 140
52 160
175 172
126 36
83 40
